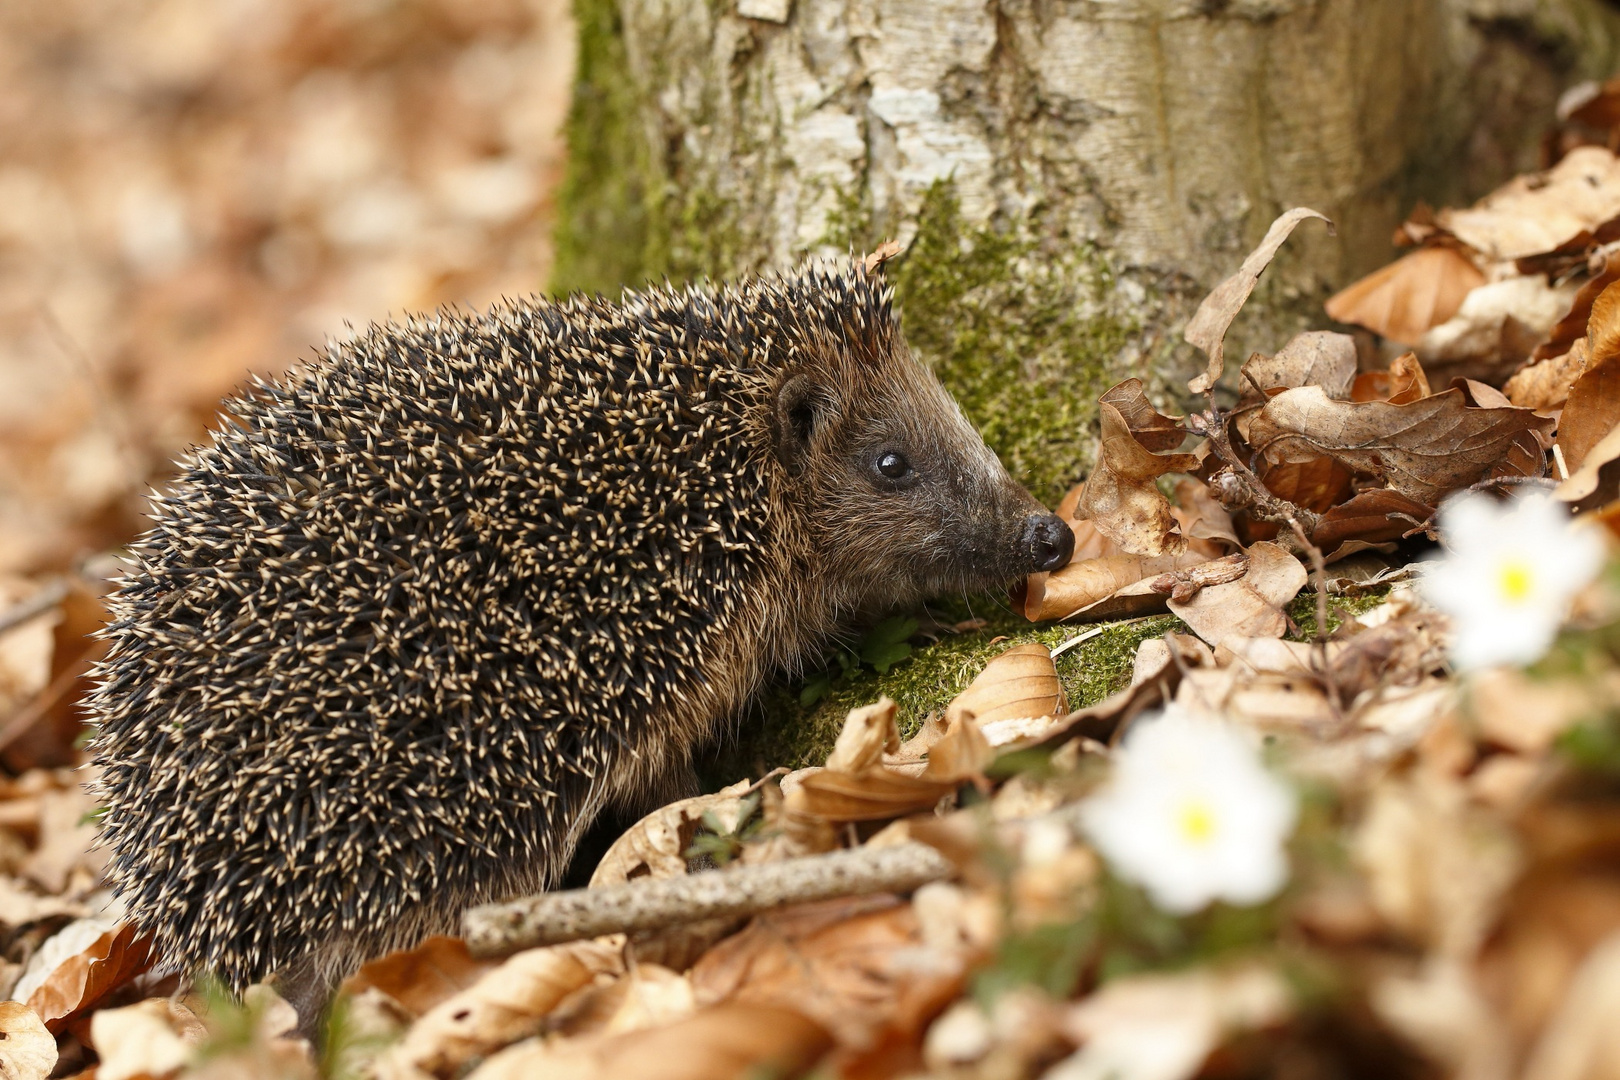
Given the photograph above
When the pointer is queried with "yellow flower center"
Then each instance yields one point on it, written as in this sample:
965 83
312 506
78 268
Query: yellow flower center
1514 579
1197 823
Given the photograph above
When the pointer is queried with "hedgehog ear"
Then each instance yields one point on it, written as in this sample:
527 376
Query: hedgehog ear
799 402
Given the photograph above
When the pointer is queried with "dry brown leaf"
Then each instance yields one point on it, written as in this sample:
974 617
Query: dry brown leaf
418 979
1121 496
648 995
1201 516
1437 867
1539 212
1021 683
152 1038
1252 605
1404 382
1545 386
29 1050
1164 1027
856 966
878 794
1591 102
1371 517
868 733
1593 407
1109 587
1207 328
1597 482
504 1005
1313 358
730 1041
83 979
1315 484
1423 450
656 845
1410 296
1496 330
1572 327
1581 1040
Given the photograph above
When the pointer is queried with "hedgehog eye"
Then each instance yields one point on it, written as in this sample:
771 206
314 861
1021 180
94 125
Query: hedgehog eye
893 465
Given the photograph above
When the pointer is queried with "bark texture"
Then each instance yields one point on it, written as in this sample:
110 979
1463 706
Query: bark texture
1068 176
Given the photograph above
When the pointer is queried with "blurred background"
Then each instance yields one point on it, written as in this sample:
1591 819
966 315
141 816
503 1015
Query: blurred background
191 190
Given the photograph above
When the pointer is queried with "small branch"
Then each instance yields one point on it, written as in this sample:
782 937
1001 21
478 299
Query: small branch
553 918
39 603
1261 502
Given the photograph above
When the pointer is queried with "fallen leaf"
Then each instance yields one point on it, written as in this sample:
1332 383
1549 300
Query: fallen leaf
1545 386
1164 1027
855 966
93 970
1597 482
1313 358
656 845
730 1041
1106 587
1593 103
1593 407
1121 496
1200 515
1572 327
1538 212
1405 299
152 1038
506 1004
1018 684
1207 328
1496 329
1252 605
418 979
1404 382
648 995
1423 450
29 1049
868 733
1581 1040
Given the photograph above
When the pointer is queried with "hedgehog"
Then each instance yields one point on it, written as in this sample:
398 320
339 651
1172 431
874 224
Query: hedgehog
419 611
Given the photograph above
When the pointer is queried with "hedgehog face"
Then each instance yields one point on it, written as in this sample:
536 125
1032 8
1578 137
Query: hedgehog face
902 498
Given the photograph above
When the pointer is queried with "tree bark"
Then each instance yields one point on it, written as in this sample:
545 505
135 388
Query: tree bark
1069 177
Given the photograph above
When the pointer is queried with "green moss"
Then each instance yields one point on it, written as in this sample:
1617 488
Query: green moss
787 734
1019 330
602 228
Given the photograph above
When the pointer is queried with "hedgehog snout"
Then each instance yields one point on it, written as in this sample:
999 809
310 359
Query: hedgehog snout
1048 541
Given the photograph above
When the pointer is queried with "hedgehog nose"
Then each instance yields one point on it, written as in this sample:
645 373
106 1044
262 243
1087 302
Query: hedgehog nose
1048 540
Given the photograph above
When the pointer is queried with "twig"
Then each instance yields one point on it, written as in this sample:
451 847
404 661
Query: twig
552 918
42 601
1262 503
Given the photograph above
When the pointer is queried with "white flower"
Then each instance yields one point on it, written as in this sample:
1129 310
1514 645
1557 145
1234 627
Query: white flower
1192 815
1508 575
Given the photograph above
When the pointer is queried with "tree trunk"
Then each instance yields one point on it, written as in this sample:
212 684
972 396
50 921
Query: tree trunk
1068 177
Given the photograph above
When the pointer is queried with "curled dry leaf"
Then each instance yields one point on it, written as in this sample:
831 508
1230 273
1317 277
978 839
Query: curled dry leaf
868 733
504 1005
1593 407
1208 326
1163 1027
1422 450
1404 382
1597 482
87 976
731 1041
1121 495
1496 329
880 793
1201 516
1022 683
1313 358
1410 296
1371 517
29 1050
656 845
1572 327
418 979
648 995
855 966
1545 386
1250 606
1539 212
150 1039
